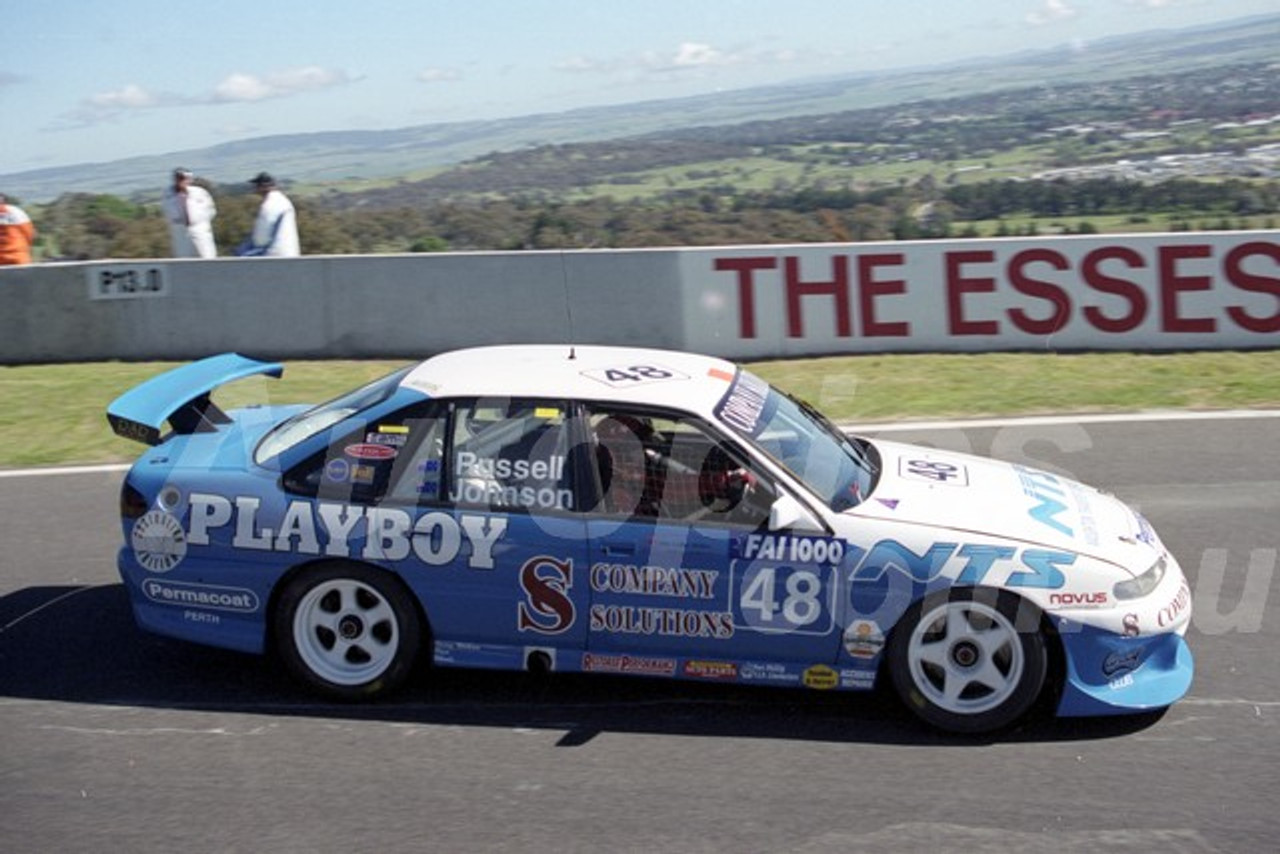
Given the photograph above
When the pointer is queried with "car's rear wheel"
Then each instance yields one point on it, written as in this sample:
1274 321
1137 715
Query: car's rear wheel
347 630
968 660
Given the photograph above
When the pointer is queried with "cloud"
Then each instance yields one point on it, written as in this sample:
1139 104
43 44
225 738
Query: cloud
241 87
438 75
693 55
583 65
686 57
1051 12
104 107
131 97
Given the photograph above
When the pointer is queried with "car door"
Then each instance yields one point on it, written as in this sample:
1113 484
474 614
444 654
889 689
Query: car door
682 561
474 503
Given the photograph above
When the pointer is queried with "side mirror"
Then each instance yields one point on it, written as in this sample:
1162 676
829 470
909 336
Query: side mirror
788 514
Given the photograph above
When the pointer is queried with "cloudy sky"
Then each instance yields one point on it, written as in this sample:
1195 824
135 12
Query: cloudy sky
82 82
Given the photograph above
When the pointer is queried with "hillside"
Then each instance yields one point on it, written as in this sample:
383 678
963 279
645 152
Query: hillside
359 159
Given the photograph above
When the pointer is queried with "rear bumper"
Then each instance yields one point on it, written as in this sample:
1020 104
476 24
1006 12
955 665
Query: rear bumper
182 604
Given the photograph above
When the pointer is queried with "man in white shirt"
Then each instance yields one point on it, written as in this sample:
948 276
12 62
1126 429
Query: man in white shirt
190 211
275 231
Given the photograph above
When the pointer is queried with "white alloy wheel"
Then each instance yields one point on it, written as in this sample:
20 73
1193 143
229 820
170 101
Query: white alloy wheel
346 632
348 629
960 662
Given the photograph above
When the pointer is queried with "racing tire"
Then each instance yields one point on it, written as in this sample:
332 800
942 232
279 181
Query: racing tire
347 630
966 661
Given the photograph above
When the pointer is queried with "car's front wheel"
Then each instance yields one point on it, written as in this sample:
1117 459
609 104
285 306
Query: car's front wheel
969 660
348 630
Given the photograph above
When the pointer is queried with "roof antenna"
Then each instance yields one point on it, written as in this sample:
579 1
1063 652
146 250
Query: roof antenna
568 305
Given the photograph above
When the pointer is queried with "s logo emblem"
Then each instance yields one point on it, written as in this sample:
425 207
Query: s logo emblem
547 608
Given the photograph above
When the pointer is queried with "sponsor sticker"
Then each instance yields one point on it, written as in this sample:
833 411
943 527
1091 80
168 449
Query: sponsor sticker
1098 599
743 405
754 671
820 676
211 596
1120 662
711 669
857 679
791 548
370 451
343 530
638 664
393 440
863 639
337 470
1171 612
158 541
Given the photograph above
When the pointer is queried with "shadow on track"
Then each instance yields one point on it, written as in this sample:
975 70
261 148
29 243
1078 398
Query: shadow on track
80 645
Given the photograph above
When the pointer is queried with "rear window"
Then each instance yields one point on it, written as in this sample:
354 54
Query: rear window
304 425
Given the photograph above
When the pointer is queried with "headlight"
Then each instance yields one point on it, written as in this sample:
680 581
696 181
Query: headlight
1136 588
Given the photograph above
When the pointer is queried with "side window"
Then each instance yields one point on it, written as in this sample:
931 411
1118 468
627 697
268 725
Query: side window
417 477
511 454
672 467
396 457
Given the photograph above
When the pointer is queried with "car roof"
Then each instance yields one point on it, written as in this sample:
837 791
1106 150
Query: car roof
686 381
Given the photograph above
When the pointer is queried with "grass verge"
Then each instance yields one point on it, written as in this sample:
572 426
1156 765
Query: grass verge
54 414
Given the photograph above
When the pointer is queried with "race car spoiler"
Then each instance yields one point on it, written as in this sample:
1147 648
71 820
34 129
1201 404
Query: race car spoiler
182 397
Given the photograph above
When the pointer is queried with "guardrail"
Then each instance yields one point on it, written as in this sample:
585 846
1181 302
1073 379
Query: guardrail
1132 292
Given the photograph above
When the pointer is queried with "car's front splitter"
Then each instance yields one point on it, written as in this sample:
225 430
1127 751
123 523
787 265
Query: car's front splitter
1111 674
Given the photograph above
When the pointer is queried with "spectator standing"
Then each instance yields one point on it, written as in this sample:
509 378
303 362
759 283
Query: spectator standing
190 211
275 231
16 234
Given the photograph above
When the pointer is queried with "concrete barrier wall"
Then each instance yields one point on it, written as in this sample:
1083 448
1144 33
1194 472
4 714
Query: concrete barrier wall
1184 291
334 307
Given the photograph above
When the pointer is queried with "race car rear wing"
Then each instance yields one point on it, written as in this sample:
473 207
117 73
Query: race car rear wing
182 397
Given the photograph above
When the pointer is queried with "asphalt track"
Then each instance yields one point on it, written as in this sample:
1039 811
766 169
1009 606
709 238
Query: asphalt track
112 740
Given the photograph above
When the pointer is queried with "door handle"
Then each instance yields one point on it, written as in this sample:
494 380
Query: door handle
618 549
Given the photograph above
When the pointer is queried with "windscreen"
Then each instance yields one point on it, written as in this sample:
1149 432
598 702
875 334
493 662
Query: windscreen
840 470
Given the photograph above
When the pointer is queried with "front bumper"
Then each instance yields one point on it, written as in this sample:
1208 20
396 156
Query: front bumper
1109 674
1132 658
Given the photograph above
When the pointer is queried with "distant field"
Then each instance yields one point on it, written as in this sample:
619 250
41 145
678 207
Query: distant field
55 414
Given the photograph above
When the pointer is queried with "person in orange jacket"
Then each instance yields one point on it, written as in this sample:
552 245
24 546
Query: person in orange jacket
16 234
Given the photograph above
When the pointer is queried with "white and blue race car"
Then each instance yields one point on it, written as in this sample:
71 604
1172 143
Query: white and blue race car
598 509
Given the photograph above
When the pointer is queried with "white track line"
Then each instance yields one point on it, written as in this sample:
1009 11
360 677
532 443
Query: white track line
114 467
1043 420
